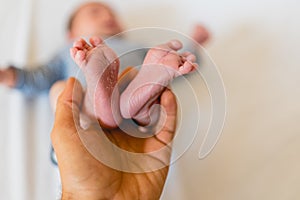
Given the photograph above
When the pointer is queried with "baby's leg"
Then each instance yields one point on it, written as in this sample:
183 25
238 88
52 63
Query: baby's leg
161 65
100 66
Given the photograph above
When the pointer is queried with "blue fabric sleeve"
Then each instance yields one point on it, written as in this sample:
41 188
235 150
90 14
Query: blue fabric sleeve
40 79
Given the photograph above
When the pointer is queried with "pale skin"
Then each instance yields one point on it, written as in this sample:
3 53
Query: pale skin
100 66
84 177
94 19
162 64
85 180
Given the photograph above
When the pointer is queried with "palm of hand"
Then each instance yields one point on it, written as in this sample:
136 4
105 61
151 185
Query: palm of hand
92 175
85 177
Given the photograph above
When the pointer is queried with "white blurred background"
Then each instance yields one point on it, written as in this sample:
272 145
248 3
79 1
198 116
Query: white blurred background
255 45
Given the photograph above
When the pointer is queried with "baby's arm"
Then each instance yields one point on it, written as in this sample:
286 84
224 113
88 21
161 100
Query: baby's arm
34 81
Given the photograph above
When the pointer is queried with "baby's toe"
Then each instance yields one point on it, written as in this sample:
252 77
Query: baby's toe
174 45
82 44
195 66
79 44
96 41
73 52
188 56
191 58
187 67
79 57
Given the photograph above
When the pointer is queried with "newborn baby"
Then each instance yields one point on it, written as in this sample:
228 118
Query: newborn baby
100 66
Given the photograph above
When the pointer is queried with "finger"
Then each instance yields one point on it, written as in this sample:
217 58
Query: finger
55 91
168 102
67 110
1 75
126 77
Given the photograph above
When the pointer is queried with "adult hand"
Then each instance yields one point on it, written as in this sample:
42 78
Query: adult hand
85 177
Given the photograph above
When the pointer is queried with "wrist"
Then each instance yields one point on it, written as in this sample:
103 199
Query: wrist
80 196
66 196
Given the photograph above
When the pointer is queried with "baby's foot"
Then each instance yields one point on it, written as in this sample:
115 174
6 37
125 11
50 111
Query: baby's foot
100 66
161 65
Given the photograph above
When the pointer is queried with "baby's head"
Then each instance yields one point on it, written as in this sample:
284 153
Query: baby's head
93 19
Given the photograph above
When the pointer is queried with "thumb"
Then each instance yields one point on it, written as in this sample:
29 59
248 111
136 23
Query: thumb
68 109
169 104
1 75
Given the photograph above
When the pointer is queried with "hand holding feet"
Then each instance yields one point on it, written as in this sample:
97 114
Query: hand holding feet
100 66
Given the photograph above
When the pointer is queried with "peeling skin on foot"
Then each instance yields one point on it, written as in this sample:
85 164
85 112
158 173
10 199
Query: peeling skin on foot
100 66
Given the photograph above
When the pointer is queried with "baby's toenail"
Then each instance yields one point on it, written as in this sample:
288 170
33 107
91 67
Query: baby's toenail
176 43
